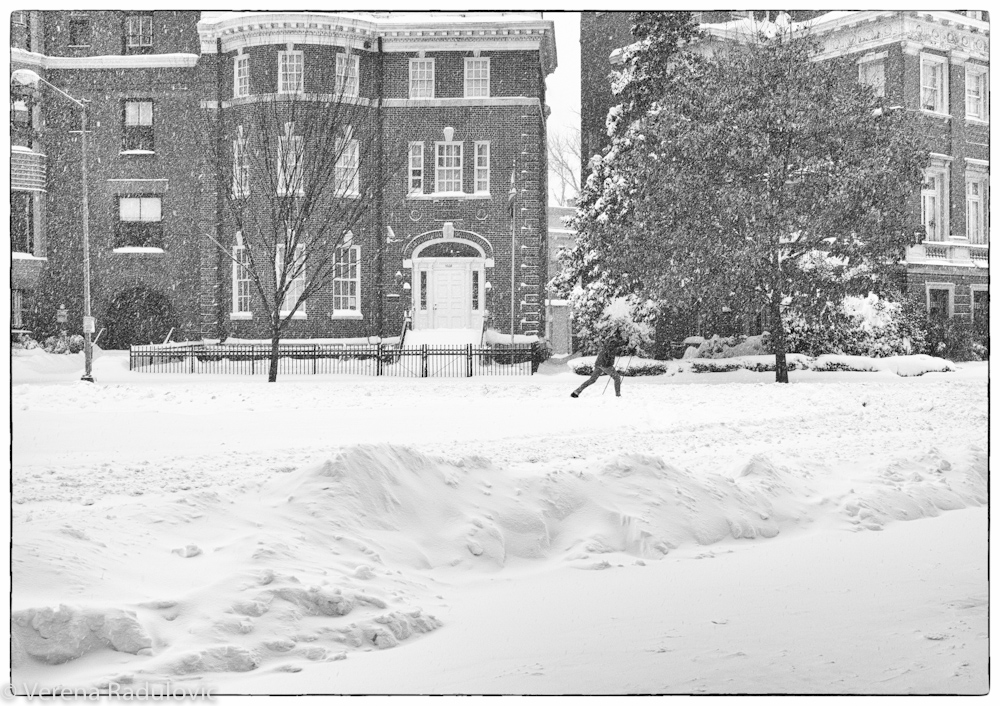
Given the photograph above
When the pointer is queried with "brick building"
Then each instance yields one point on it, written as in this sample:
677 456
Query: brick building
454 238
935 64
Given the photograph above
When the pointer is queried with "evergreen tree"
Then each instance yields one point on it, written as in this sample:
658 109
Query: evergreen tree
759 179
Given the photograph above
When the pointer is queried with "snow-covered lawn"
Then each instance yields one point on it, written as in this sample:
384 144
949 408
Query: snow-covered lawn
705 533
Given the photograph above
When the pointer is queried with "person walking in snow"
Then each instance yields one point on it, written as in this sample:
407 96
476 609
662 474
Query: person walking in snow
605 365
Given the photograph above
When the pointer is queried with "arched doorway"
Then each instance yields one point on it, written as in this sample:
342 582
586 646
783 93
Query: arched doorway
138 316
449 280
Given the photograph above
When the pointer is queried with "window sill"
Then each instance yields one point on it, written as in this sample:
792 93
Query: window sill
976 121
347 314
27 256
78 46
136 152
454 195
129 250
935 114
421 98
241 316
286 194
295 317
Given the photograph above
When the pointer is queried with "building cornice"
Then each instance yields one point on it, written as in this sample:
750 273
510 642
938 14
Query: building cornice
114 61
490 31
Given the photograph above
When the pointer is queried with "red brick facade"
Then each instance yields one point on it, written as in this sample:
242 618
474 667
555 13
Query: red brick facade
185 69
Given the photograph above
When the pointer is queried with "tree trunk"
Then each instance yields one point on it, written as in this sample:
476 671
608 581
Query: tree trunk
272 372
779 343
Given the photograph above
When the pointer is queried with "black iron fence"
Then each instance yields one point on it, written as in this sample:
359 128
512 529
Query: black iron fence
337 359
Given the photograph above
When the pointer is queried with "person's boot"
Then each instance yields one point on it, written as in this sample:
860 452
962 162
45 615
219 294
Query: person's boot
574 394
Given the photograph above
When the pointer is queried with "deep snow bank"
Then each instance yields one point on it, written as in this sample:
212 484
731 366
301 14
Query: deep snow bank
318 562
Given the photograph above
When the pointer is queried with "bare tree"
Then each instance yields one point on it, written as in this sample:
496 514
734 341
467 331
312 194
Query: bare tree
298 172
564 163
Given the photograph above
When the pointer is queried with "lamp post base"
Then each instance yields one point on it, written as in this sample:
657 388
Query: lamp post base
87 378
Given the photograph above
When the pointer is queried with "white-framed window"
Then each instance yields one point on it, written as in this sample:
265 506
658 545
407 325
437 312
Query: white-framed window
482 168
137 133
139 222
296 277
977 84
241 279
291 153
871 72
934 202
976 207
139 31
347 279
20 305
940 300
416 178
974 14
241 76
22 221
241 166
421 78
347 168
477 77
448 172
290 72
934 83
347 75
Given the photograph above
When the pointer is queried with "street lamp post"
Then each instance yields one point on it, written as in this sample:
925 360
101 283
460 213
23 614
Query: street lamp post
27 77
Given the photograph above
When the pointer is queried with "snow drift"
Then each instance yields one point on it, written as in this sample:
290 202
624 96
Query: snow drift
341 563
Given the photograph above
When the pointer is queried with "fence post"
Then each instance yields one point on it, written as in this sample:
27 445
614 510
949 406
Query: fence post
423 360
378 359
315 356
131 352
468 369
193 359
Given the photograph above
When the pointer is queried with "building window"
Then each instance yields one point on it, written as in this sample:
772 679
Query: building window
139 222
290 72
976 91
22 222
295 277
421 78
241 76
241 166
347 75
475 290
20 306
22 130
934 203
449 167
981 311
976 209
974 14
423 290
477 78
79 31
290 162
19 18
482 167
871 73
416 168
345 173
138 132
934 83
346 279
938 302
241 279
139 32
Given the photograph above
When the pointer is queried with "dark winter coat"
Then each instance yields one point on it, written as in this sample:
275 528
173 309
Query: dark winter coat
607 354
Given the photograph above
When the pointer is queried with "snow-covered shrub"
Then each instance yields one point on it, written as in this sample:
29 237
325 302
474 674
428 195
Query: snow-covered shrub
56 344
715 366
619 318
75 343
850 363
732 346
861 326
753 363
951 339
23 342
629 367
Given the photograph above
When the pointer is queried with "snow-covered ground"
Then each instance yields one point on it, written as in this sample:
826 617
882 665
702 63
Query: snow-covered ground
705 533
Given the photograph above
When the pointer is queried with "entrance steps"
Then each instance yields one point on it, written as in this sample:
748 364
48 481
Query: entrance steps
443 337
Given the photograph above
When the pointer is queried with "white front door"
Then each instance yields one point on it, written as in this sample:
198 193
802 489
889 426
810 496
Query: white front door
450 296
443 294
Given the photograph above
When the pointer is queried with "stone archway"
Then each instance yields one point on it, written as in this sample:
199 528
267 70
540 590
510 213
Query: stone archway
138 316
